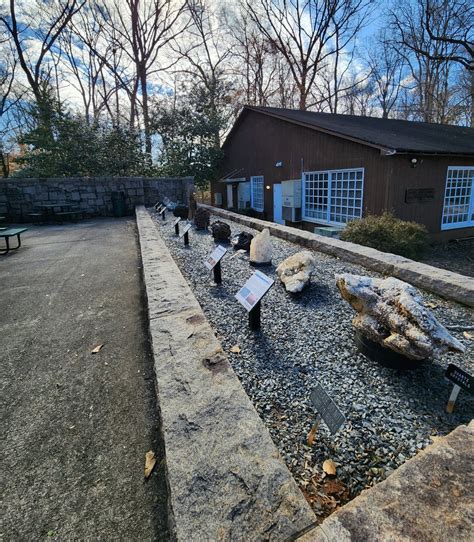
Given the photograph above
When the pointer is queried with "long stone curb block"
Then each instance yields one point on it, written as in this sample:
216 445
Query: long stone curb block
226 479
442 282
427 498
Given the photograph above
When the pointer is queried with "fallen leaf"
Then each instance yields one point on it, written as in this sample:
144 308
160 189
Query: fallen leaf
235 349
468 335
329 467
97 349
150 462
312 433
431 305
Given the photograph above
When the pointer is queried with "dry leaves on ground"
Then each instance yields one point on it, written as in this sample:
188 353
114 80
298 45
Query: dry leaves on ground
150 462
312 433
468 335
97 349
329 467
235 349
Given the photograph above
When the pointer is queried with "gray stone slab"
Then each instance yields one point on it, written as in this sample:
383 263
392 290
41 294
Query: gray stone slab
226 479
442 282
428 499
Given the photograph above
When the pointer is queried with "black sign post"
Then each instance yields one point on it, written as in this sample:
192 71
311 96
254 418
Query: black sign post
217 273
213 262
185 233
461 379
163 213
251 294
176 225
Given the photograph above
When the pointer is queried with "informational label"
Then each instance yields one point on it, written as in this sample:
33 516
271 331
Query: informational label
461 378
327 408
177 221
254 289
160 208
215 257
185 230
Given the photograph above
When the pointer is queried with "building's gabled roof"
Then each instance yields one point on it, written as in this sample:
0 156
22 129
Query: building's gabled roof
388 135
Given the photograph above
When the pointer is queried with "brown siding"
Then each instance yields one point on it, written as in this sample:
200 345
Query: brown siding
260 141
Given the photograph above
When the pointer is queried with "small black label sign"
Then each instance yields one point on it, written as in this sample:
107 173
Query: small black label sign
460 377
419 195
328 410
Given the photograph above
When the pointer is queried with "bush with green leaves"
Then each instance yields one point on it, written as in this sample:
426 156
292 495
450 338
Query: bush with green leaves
388 234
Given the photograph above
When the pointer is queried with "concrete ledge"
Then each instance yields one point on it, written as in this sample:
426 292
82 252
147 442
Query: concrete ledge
439 281
428 498
226 479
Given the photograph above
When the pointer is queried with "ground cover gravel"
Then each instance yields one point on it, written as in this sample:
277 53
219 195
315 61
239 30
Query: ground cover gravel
307 339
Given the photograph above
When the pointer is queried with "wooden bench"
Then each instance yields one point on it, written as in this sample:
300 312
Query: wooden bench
11 232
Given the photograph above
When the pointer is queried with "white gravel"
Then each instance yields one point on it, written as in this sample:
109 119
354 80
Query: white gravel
309 338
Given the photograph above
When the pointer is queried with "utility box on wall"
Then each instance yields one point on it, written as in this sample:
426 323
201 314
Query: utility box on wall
291 200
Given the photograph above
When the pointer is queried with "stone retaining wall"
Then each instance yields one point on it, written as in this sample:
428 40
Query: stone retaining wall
226 479
93 195
440 281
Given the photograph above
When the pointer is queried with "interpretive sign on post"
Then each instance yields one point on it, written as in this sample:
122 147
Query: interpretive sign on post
163 213
185 233
250 296
213 263
327 409
461 379
176 225
159 207
215 257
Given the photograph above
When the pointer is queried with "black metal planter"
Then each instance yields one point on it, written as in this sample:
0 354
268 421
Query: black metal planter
386 357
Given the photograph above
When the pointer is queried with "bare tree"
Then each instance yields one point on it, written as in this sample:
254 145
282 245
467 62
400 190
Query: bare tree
386 66
307 33
440 35
46 24
144 29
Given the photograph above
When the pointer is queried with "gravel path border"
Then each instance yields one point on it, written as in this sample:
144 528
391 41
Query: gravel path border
309 338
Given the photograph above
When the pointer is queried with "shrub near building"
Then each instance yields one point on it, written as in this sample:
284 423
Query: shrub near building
388 234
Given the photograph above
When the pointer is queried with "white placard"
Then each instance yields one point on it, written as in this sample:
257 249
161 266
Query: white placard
159 209
215 257
185 230
254 289
177 221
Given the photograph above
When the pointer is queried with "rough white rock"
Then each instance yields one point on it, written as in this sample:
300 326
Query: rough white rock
391 313
295 272
261 249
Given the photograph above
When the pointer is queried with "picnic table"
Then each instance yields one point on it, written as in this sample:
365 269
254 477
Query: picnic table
48 211
11 232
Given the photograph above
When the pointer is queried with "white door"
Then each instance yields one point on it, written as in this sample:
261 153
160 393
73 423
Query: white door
277 210
230 199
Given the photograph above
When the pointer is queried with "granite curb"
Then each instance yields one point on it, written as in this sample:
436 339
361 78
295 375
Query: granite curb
442 282
226 479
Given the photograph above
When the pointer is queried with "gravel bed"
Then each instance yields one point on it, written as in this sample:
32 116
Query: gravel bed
308 338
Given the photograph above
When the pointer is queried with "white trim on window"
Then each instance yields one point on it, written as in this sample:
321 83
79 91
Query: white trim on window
257 192
333 196
458 204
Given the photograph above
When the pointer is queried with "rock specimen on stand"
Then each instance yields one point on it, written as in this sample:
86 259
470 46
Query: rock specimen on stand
220 231
182 211
391 313
201 218
295 272
242 241
261 249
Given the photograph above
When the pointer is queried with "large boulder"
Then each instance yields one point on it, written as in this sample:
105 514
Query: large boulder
220 231
391 313
181 211
295 272
261 249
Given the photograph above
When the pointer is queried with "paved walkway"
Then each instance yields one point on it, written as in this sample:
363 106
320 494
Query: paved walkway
76 426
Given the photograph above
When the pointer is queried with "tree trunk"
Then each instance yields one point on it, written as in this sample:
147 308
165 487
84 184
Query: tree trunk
146 114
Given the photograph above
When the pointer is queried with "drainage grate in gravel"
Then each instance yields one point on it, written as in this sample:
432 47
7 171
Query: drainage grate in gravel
307 339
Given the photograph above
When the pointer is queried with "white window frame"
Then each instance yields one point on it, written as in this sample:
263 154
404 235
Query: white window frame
257 180
330 195
452 190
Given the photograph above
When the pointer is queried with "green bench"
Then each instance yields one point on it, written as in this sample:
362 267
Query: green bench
11 232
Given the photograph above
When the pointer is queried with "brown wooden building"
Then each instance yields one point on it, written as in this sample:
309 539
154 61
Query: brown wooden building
343 167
